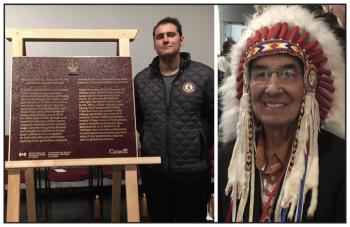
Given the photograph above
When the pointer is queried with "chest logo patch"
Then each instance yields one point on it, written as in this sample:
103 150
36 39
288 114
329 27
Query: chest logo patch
189 87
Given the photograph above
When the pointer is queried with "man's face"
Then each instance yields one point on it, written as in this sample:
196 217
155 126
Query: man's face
277 89
167 41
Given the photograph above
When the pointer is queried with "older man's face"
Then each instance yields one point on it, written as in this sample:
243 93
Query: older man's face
277 89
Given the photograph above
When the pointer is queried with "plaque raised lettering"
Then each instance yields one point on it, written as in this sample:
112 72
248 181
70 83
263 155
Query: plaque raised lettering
72 107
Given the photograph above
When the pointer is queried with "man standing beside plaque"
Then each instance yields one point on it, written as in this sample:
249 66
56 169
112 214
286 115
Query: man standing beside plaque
174 109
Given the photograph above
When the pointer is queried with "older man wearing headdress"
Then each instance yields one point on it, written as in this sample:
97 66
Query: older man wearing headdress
283 121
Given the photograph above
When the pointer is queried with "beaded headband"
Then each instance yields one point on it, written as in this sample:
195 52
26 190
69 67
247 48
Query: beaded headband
273 47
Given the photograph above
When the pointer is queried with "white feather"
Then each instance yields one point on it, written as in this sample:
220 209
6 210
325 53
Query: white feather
237 177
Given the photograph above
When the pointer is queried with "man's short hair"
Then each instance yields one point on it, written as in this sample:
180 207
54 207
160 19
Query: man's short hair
169 20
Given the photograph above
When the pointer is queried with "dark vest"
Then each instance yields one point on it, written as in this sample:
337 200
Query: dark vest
181 133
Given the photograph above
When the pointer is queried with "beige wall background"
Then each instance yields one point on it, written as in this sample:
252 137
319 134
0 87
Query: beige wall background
197 22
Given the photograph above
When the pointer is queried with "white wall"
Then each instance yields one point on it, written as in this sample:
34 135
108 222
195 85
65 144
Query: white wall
233 13
197 25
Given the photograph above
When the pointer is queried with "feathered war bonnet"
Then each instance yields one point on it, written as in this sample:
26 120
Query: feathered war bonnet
294 31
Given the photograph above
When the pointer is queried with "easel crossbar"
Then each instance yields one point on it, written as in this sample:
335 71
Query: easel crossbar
72 34
82 162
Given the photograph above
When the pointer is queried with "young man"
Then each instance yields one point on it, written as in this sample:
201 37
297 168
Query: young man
174 111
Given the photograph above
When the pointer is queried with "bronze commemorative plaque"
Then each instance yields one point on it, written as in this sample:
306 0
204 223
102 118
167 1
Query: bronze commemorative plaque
72 107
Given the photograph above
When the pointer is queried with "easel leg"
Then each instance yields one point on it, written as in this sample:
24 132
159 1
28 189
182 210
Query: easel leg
13 195
211 206
30 195
115 203
132 194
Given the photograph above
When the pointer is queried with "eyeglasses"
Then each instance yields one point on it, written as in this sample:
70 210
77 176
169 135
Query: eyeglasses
286 74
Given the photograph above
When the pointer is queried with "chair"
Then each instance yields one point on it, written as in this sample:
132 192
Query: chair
66 174
106 173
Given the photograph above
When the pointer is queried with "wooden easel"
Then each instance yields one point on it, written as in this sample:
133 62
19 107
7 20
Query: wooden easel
123 38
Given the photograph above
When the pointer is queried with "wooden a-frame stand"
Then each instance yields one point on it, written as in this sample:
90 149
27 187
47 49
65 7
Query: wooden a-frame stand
123 39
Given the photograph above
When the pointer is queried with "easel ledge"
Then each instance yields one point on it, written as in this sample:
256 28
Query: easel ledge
82 162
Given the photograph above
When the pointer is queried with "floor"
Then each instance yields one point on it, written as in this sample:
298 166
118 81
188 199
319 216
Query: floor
75 205
72 205
73 202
